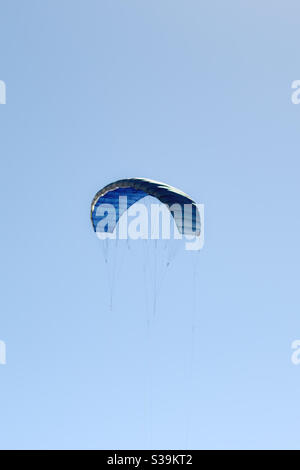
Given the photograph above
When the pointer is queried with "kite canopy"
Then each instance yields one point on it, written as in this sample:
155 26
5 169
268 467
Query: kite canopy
182 207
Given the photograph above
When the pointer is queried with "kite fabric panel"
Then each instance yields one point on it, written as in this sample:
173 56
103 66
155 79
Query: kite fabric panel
186 215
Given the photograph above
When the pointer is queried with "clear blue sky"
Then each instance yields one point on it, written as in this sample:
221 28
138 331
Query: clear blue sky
194 93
